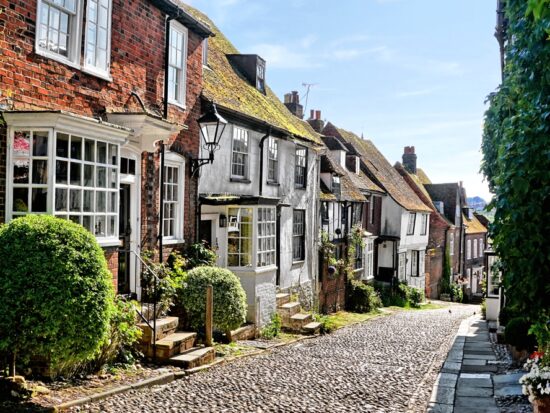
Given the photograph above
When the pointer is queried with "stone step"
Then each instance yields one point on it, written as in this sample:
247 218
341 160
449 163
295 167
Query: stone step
195 357
296 322
246 332
164 327
282 298
288 310
313 327
171 345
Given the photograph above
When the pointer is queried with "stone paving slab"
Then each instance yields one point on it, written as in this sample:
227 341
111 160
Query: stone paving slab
507 379
475 402
443 395
439 408
460 409
480 356
508 391
446 380
479 369
473 391
475 382
474 362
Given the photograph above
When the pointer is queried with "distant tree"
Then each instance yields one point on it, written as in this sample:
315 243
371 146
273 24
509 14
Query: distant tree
516 158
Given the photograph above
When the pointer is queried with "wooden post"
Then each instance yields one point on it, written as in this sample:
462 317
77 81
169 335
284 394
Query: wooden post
209 314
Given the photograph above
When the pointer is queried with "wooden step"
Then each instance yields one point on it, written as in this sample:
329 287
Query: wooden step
172 345
282 298
195 357
298 321
313 327
164 327
289 309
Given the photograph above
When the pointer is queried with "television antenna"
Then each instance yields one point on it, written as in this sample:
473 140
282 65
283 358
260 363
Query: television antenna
308 87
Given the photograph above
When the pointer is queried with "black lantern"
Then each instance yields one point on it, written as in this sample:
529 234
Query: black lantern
223 221
211 126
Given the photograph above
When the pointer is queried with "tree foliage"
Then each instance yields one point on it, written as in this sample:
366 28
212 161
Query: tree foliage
516 158
57 293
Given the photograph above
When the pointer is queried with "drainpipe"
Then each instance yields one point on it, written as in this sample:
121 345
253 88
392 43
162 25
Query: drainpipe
161 201
260 184
278 245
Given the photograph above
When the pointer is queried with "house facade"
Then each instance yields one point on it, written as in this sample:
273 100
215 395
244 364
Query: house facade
474 257
440 227
397 216
259 199
89 102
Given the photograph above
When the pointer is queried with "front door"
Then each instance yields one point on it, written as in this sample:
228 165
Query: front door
205 233
125 232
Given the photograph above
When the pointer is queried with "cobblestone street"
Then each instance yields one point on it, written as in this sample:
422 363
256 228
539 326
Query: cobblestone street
385 365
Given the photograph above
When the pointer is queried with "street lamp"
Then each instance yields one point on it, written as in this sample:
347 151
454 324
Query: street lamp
211 126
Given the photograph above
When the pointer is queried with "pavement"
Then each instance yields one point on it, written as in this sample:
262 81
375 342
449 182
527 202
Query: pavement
385 365
468 381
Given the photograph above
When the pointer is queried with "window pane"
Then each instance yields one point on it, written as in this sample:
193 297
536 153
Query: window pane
20 199
40 144
88 204
40 172
101 152
39 199
88 175
100 226
62 145
21 171
60 199
89 150
101 177
112 202
87 221
101 201
76 147
76 174
75 198
61 172
21 144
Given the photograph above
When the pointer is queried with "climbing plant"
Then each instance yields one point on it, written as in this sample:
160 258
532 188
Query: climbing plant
516 158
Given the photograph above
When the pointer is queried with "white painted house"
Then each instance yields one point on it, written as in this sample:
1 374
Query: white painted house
259 199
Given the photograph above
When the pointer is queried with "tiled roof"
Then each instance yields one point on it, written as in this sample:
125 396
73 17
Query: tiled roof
333 144
449 194
384 173
348 190
473 226
417 181
229 89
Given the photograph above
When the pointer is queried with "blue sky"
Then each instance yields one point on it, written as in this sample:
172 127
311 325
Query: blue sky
402 72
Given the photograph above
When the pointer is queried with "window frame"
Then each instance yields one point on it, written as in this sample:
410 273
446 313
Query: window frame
260 76
272 162
74 28
412 222
173 100
474 249
297 167
267 239
298 237
468 249
94 69
175 161
246 155
424 224
371 209
251 239
415 263
369 258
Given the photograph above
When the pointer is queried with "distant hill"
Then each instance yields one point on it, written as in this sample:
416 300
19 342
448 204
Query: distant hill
477 203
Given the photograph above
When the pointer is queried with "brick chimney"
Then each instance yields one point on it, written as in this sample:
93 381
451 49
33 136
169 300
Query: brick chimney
292 102
315 120
409 159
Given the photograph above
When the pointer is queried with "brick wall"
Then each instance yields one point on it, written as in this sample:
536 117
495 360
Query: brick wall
137 65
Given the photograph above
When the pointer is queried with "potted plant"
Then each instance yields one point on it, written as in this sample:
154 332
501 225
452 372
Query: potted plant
536 383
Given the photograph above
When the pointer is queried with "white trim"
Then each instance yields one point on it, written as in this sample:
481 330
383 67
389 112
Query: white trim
174 160
177 26
74 44
91 69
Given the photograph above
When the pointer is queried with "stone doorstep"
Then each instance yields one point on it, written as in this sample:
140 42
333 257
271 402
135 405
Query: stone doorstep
164 326
289 309
282 298
175 343
297 321
246 332
313 327
194 357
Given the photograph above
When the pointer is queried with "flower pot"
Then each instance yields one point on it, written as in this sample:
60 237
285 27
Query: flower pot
541 405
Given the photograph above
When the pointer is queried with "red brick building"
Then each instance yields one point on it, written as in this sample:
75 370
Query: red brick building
87 90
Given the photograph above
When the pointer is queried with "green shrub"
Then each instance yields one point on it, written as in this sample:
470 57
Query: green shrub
327 323
506 314
517 334
484 308
229 297
361 298
273 328
198 255
456 293
57 293
416 297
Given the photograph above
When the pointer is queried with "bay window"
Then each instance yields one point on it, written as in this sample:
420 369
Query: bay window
266 237
53 169
239 237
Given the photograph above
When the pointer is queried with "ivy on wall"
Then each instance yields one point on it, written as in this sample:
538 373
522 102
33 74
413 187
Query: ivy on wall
516 158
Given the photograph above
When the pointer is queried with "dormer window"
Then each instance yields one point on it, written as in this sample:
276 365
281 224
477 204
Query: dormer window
335 184
260 76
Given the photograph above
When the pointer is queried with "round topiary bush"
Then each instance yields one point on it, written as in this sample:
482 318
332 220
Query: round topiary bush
229 297
516 334
361 298
56 292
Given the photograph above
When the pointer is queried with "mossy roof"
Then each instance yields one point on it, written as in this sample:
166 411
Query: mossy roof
229 89
348 190
384 173
473 226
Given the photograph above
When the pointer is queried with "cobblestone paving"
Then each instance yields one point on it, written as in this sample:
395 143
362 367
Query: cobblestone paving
385 365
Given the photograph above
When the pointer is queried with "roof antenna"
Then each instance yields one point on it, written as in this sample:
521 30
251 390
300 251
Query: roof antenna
308 86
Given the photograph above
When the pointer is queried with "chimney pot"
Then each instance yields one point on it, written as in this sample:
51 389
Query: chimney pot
312 114
409 159
318 115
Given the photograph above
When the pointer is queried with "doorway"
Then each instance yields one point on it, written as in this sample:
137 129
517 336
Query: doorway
125 233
